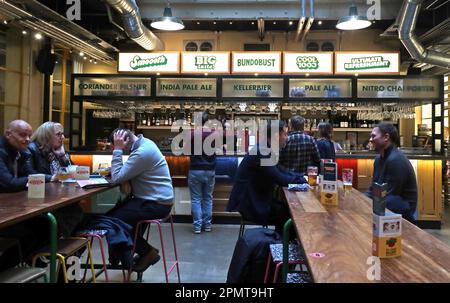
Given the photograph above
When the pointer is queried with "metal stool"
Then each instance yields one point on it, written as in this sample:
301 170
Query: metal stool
67 247
143 224
98 234
276 255
22 275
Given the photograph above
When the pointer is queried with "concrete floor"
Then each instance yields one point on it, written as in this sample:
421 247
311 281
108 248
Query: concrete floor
205 258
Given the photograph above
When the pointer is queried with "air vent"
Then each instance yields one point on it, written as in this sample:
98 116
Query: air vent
199 45
320 45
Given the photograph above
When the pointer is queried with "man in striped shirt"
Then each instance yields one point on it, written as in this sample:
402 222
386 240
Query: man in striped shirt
301 150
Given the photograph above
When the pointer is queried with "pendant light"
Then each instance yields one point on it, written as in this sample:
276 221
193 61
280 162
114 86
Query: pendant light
167 22
353 21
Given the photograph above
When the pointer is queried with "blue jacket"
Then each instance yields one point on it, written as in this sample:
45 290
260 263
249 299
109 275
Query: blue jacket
253 190
326 149
8 181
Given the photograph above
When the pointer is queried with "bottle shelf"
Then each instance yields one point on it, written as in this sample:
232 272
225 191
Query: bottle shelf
351 129
161 127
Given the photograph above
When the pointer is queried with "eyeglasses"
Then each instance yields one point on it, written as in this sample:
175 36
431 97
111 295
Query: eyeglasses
59 134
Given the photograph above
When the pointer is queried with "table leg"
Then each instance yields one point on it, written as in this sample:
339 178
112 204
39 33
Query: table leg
53 246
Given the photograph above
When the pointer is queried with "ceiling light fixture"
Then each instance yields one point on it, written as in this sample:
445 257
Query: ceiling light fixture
353 21
38 36
167 22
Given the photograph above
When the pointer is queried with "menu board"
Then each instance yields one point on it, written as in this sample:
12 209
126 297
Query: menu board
421 88
320 88
186 87
308 63
205 62
260 88
366 63
164 62
256 62
112 87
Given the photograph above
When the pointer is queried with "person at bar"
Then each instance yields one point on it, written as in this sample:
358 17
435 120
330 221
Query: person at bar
151 195
324 143
392 167
201 179
14 158
253 190
48 157
300 150
47 150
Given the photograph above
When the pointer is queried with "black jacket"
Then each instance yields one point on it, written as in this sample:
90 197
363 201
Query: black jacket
40 163
395 170
8 182
253 190
249 259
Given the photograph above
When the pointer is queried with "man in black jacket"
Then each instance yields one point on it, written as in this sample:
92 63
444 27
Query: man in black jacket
15 165
253 190
392 167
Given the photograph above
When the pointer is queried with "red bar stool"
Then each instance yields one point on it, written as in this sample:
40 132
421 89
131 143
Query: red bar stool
98 234
276 255
143 224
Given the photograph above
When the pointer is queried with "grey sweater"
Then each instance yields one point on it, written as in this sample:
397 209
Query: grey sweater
146 169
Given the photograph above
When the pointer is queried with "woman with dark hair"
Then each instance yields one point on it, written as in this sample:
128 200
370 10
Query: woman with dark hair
324 142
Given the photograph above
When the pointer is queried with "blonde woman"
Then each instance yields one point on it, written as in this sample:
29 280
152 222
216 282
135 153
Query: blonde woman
47 150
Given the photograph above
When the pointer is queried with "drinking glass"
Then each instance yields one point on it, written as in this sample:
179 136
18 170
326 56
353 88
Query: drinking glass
347 178
312 175
103 169
62 174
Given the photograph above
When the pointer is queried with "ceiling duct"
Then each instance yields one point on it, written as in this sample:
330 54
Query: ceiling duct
133 25
301 22
407 22
261 31
310 20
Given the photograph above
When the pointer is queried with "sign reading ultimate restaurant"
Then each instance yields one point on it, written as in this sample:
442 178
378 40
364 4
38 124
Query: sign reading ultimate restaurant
112 87
366 63
205 62
256 62
166 62
307 63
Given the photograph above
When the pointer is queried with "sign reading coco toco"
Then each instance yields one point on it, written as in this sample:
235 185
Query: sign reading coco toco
205 62
307 63
366 63
256 62
167 62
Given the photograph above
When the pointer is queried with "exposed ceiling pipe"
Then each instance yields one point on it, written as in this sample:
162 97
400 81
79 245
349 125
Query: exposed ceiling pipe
301 22
310 19
133 25
261 30
407 24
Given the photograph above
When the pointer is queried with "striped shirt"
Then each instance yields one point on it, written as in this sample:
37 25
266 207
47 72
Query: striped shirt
300 152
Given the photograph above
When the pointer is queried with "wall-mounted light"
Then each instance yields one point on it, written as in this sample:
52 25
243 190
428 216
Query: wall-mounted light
167 22
353 21
38 36
81 54
24 32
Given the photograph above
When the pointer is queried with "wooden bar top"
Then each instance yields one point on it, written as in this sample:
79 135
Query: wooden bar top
17 207
338 242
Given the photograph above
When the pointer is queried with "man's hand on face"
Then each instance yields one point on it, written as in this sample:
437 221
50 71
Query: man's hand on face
121 140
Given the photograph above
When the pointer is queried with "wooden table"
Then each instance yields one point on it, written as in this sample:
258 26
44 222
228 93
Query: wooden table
17 207
342 238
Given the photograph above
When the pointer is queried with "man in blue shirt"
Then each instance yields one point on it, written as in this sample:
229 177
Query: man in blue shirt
392 167
151 188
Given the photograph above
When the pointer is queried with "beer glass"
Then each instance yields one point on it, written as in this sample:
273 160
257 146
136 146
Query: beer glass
103 169
312 175
347 178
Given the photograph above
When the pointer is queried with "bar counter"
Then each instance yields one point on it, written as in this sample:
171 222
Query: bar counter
428 169
337 241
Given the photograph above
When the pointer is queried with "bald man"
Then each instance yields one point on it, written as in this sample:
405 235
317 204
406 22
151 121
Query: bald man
15 163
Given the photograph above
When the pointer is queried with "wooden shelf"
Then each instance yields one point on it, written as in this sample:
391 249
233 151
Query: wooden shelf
349 129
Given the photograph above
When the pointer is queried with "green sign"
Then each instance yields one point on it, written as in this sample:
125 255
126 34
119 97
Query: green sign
307 62
205 62
138 63
367 63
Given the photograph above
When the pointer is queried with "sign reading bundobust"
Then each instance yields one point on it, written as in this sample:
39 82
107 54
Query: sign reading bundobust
320 88
166 62
308 63
205 62
418 88
366 63
186 87
112 87
256 62
260 88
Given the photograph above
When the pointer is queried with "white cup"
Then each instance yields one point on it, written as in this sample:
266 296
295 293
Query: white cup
36 186
82 173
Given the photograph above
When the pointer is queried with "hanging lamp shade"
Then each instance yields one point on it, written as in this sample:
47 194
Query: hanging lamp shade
353 21
167 22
